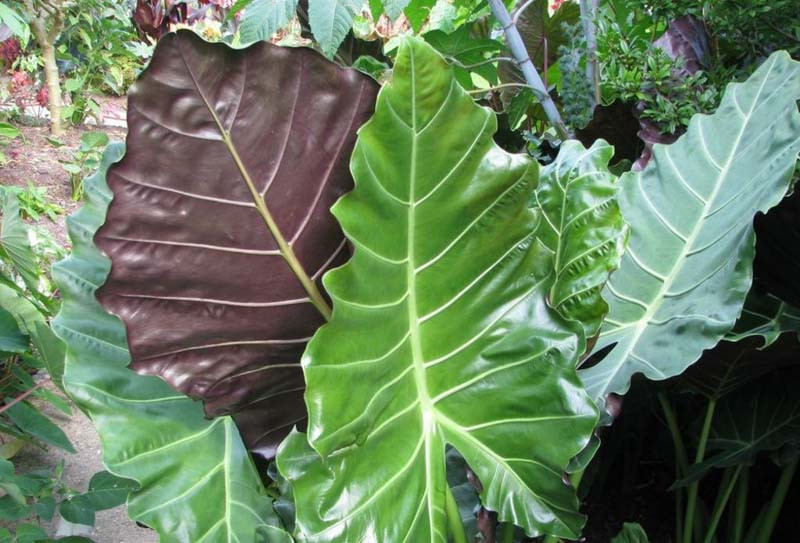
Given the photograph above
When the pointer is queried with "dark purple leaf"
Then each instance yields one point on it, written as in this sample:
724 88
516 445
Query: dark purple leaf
208 302
686 38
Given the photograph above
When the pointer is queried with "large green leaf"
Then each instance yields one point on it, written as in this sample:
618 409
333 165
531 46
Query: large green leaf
583 227
688 265
417 12
330 22
197 482
441 329
15 22
394 8
262 18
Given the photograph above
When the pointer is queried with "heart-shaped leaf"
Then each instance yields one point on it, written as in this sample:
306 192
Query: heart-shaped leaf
688 266
441 331
204 273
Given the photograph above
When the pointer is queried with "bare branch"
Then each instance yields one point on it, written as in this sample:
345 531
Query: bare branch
532 77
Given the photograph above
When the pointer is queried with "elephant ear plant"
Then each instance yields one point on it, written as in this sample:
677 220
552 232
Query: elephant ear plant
457 326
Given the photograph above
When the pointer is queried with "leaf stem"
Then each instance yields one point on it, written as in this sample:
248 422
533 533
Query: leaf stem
532 77
286 250
726 488
776 503
681 461
674 430
740 507
454 517
310 287
691 502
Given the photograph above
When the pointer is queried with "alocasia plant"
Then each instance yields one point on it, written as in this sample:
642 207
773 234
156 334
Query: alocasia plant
211 298
442 331
688 266
473 289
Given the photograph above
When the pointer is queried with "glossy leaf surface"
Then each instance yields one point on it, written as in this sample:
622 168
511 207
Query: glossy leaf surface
440 330
197 482
461 48
31 421
688 265
208 300
583 227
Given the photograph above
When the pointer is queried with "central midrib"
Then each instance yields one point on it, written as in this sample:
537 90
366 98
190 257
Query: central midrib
284 247
426 406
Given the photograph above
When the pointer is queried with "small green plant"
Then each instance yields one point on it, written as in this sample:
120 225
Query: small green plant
95 48
86 159
635 71
8 132
33 202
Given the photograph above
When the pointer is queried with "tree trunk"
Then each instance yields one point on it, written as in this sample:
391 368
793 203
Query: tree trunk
53 82
46 38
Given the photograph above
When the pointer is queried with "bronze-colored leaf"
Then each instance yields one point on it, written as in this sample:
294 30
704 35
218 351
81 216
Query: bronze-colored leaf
208 300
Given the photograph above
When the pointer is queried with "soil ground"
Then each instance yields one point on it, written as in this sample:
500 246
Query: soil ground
33 158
